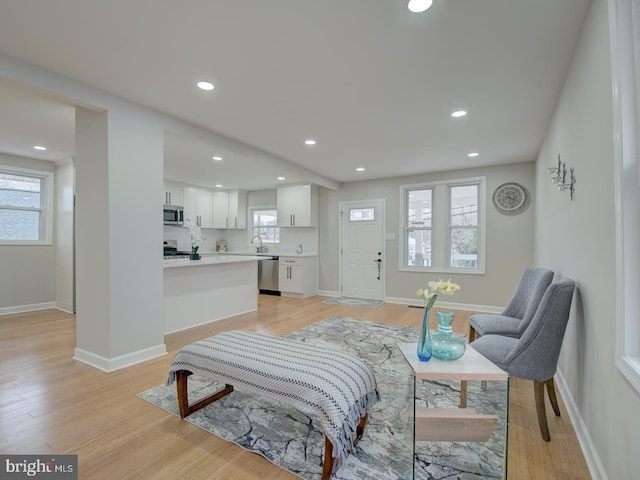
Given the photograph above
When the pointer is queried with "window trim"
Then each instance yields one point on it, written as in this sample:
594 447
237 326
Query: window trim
46 208
624 18
440 226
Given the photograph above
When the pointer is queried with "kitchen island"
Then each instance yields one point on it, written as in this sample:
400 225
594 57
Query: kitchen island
203 291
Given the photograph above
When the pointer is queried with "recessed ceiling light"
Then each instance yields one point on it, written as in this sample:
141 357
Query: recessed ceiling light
459 113
39 147
217 159
310 142
417 6
281 178
473 154
218 186
205 85
360 169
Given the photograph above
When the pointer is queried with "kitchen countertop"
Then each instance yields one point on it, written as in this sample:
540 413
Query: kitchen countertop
214 259
266 254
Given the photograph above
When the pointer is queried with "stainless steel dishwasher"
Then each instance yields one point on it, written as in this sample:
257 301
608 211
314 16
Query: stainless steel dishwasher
268 276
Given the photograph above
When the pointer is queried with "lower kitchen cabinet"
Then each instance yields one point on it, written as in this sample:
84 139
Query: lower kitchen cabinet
298 276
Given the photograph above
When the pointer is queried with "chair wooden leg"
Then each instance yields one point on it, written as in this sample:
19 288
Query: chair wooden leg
551 391
538 391
472 334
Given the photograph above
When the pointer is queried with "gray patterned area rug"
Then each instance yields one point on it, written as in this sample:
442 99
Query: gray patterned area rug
292 441
354 302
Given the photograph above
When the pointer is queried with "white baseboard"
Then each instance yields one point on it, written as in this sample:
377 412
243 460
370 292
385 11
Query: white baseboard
109 365
327 293
27 308
596 469
454 306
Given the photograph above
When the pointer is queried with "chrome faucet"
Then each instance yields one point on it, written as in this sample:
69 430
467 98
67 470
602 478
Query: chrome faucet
260 248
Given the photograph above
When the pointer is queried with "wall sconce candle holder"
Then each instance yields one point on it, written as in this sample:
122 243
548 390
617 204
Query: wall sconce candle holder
560 177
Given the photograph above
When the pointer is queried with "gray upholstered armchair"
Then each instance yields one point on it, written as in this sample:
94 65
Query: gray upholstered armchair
534 356
515 318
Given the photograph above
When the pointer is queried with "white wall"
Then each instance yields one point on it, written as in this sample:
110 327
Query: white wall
577 239
28 279
509 238
63 221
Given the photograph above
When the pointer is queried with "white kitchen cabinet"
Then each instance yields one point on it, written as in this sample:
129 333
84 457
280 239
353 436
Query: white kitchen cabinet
297 206
237 209
298 276
172 194
230 209
220 209
198 206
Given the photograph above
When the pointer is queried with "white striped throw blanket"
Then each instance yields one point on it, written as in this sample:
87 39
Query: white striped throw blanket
334 387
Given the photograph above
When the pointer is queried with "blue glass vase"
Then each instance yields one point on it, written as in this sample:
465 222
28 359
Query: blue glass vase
446 345
424 340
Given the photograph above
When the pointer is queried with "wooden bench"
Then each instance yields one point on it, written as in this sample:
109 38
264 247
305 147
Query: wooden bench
334 387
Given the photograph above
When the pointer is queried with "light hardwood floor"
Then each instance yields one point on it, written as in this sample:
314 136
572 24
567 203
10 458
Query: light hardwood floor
50 403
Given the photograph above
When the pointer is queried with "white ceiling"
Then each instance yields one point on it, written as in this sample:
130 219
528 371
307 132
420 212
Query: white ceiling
373 83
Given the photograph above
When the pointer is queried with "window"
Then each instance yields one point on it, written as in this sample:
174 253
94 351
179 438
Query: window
25 206
362 214
443 226
626 75
418 228
265 225
463 226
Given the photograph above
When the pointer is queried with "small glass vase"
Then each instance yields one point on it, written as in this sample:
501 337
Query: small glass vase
424 340
446 344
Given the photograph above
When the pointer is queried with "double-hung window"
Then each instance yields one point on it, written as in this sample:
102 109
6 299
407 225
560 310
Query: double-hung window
626 68
26 201
265 225
443 226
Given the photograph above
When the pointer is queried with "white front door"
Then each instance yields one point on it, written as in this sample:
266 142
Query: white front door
362 242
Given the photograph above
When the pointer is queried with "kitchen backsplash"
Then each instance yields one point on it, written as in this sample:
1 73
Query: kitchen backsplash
238 240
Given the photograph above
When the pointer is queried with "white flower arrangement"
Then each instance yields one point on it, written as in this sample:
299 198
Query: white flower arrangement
439 287
196 235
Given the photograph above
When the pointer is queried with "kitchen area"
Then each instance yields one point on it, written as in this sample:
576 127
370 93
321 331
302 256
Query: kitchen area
235 263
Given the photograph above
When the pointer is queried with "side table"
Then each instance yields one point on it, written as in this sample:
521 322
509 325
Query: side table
455 424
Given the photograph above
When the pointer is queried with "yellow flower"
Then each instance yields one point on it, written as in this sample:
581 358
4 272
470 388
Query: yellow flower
446 288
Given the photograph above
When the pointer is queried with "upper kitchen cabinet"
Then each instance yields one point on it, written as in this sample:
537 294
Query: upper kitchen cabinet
172 194
198 206
297 206
230 209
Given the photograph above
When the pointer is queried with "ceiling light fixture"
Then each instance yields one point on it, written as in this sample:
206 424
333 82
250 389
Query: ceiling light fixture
38 147
459 113
417 6
281 178
360 169
205 85
310 142
218 186
217 159
473 154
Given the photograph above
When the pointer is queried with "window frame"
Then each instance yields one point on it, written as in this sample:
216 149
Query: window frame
624 18
251 235
440 226
46 204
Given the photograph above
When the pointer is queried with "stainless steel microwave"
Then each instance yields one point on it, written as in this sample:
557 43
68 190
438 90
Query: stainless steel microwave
173 215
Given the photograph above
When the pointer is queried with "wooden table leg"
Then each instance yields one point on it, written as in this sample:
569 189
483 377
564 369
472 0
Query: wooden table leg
463 394
328 448
182 377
